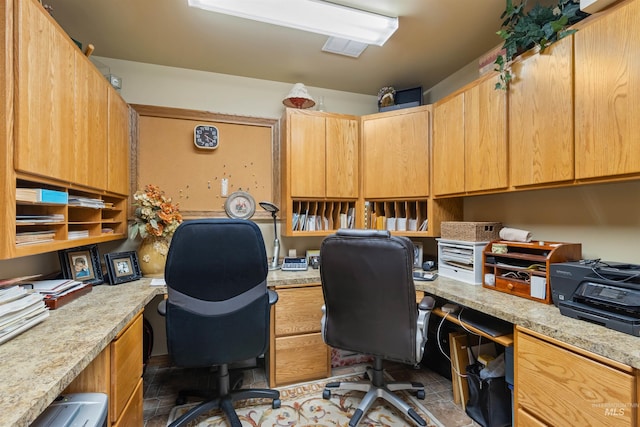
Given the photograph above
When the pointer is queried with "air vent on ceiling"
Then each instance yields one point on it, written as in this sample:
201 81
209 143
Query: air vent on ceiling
344 47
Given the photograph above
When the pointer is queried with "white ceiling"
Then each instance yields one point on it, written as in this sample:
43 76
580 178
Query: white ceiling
435 39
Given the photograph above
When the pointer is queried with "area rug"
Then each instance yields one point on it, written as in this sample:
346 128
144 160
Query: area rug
303 406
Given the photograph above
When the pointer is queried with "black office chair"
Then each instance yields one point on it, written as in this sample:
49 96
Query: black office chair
217 310
370 308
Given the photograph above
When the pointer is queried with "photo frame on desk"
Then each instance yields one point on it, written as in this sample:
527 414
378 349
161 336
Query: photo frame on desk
122 267
81 264
417 254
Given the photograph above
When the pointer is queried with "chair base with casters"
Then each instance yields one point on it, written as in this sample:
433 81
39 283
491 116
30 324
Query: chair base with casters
225 400
375 388
235 382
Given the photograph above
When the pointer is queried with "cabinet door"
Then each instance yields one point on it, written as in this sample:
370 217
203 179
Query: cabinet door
126 367
45 110
118 144
341 157
607 94
485 137
306 148
89 150
396 154
565 388
299 310
448 146
541 117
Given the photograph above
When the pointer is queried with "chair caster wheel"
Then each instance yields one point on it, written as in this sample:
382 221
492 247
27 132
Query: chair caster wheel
326 394
181 400
420 394
276 403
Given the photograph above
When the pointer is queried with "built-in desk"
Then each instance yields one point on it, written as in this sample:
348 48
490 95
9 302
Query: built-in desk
36 366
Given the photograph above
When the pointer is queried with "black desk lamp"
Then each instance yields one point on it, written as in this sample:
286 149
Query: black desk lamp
270 207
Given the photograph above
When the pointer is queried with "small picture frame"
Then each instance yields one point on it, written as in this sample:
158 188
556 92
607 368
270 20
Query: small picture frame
122 267
81 264
417 255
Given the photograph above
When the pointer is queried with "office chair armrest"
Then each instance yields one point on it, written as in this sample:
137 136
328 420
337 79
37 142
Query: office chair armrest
424 312
162 307
273 296
427 303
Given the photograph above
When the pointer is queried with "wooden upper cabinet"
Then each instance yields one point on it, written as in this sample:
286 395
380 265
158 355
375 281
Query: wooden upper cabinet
607 94
45 72
541 116
341 157
470 140
396 154
485 137
118 144
448 146
89 150
306 154
322 154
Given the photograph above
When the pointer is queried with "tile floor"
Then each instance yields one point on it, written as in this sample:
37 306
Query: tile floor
162 382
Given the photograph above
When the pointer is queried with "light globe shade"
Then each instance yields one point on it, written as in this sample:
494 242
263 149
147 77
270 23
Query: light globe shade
298 97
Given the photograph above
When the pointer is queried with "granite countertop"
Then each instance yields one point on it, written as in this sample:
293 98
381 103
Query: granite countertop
37 365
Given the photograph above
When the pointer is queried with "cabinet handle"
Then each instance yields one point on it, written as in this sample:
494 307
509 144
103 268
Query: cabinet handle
510 286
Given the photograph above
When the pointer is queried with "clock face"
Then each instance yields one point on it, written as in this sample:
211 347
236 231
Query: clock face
240 205
206 136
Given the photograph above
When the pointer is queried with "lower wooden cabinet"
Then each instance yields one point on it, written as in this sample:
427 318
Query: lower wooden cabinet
117 371
560 385
297 352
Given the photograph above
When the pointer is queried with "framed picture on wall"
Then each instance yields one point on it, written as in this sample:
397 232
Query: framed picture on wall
81 264
122 267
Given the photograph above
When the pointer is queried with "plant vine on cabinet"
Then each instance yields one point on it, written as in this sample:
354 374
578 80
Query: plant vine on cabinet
320 168
607 94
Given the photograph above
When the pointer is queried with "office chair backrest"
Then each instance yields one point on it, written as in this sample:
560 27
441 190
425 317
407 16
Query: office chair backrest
369 293
217 308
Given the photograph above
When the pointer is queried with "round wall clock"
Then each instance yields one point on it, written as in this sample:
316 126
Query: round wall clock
206 136
240 205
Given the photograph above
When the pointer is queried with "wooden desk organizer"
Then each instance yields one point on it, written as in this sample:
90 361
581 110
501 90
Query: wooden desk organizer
523 263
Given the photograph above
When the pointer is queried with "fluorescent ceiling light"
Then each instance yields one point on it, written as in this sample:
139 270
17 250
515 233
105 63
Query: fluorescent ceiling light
310 15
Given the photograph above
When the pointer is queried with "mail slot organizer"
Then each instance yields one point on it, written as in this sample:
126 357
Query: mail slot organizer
523 270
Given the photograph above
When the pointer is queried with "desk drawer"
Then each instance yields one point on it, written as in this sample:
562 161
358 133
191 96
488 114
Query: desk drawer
301 358
457 273
126 366
298 310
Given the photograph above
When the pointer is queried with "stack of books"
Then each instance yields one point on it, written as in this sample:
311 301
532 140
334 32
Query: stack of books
19 311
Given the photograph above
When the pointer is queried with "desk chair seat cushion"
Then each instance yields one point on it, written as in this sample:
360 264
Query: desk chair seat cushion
217 309
381 317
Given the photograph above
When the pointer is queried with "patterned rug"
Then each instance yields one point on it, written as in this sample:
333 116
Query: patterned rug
303 406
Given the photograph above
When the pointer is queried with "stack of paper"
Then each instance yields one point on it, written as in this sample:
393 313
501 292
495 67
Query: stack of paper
19 311
31 237
55 288
86 202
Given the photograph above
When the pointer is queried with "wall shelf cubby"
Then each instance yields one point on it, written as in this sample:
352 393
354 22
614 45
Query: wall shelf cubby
320 217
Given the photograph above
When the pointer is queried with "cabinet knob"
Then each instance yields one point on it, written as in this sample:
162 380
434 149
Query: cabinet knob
510 286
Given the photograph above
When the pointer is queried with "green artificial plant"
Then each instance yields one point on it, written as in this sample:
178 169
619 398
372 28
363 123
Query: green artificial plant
539 26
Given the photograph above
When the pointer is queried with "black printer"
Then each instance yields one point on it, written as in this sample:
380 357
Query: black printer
605 293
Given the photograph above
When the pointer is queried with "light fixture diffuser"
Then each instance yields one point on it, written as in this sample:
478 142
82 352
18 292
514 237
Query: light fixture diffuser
310 15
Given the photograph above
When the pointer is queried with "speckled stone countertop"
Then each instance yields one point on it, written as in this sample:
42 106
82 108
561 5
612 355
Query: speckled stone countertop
36 366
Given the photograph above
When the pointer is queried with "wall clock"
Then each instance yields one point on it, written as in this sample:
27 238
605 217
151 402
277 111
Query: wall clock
206 136
240 205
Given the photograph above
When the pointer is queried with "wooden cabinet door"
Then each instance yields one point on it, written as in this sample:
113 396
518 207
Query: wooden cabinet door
45 74
541 117
485 137
306 154
89 150
341 157
396 154
607 94
118 147
448 146
126 367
